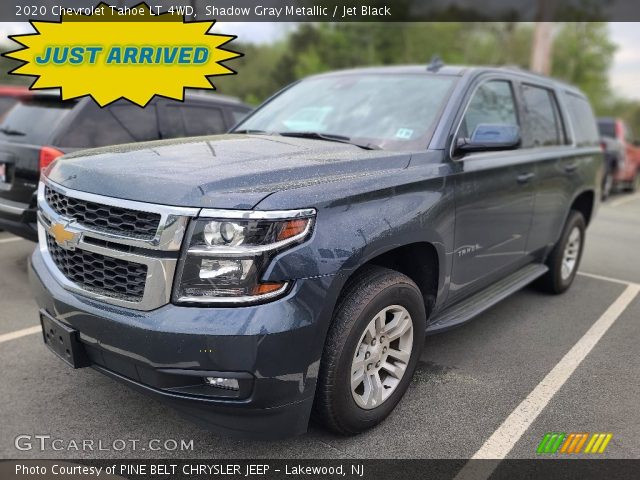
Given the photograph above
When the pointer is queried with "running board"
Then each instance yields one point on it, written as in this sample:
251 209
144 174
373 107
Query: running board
467 309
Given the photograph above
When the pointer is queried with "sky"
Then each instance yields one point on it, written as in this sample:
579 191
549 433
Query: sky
624 75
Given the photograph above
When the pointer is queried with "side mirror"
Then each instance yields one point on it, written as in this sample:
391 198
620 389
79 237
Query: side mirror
489 137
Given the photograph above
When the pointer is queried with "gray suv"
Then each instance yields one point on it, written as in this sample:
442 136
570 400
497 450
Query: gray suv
296 264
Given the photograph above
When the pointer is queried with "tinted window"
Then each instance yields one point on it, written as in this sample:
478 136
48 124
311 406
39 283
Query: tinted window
238 114
607 128
202 120
141 123
542 119
32 121
393 111
582 119
6 103
94 127
492 102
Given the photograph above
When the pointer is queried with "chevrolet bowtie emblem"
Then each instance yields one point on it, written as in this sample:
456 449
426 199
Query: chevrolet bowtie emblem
64 236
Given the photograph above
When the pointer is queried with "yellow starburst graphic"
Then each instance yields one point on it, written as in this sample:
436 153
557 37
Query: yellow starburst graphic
110 56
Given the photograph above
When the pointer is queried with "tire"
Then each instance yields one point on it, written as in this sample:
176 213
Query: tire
556 280
375 290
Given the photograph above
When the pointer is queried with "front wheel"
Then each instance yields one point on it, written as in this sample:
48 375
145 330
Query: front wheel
565 257
372 349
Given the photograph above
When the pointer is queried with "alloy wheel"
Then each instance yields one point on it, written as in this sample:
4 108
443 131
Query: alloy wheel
571 253
381 357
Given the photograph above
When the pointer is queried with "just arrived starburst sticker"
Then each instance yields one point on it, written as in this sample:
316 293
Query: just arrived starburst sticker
108 55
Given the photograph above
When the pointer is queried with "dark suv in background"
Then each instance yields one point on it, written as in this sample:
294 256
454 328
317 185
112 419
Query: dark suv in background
10 95
42 127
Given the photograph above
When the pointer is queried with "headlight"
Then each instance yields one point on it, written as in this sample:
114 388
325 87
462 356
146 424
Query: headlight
228 252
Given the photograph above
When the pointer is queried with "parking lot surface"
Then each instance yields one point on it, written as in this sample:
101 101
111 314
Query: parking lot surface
469 383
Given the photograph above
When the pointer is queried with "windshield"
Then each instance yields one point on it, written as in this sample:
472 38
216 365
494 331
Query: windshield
33 121
389 111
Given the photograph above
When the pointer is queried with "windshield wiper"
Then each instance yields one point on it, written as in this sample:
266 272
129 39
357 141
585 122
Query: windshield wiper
249 131
331 138
10 131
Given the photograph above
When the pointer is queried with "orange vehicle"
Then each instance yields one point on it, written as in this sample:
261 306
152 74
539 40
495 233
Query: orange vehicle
625 149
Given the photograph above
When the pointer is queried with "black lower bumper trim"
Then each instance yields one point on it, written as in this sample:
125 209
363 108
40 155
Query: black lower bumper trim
236 420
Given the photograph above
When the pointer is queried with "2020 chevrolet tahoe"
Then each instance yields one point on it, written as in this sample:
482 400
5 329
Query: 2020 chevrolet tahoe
296 264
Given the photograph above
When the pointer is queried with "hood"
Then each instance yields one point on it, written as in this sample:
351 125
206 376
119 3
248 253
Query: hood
223 171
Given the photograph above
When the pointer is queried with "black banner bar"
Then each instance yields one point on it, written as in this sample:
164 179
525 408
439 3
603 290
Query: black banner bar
584 469
345 10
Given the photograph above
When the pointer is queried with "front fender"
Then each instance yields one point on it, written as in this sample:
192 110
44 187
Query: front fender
411 206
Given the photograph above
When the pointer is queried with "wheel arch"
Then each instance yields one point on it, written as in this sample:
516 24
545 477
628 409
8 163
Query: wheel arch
420 261
584 203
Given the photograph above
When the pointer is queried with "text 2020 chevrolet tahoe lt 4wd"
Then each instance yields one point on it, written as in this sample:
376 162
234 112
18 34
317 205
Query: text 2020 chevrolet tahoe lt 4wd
296 265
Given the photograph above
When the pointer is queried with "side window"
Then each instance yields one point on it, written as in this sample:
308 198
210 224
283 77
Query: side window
582 119
94 127
492 102
141 123
542 120
202 120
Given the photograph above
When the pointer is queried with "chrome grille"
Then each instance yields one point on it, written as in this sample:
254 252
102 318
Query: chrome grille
109 276
97 254
106 218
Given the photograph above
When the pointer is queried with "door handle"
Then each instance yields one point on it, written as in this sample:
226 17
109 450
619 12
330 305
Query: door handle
525 177
572 167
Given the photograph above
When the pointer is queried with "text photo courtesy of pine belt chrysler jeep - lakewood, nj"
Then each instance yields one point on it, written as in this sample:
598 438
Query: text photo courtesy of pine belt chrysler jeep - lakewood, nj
291 268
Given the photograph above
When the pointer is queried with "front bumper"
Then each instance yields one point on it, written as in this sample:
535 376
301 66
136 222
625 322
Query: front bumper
19 219
273 350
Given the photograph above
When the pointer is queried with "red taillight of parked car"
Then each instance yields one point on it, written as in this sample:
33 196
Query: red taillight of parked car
48 155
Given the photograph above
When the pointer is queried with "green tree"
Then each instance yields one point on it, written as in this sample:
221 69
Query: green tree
583 54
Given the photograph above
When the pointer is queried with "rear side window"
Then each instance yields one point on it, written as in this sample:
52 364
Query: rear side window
585 130
202 120
542 120
492 102
32 121
116 124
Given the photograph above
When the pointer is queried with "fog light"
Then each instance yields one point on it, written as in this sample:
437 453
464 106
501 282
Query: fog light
224 383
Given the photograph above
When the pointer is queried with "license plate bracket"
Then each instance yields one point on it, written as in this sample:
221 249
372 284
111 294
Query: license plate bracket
63 341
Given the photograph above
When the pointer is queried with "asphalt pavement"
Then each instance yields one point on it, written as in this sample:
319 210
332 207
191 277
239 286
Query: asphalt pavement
572 360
